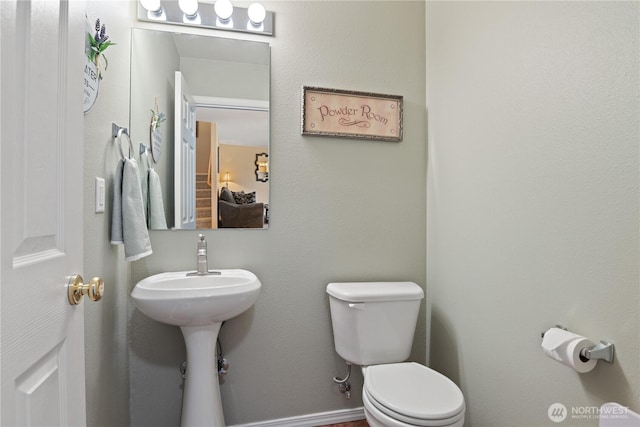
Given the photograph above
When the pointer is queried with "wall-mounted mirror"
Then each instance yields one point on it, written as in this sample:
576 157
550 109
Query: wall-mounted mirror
213 94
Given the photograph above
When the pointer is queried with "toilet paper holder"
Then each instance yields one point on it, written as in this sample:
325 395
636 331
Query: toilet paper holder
602 351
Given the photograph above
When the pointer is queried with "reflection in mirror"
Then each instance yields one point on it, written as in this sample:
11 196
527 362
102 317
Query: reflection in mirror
262 167
216 132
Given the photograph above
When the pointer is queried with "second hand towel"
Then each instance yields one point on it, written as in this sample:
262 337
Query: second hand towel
157 219
129 225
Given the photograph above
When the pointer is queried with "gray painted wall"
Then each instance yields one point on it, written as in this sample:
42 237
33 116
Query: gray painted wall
106 341
153 78
224 79
334 213
532 211
341 210
533 201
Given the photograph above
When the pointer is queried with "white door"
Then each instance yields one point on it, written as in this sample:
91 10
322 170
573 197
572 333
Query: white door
41 156
185 155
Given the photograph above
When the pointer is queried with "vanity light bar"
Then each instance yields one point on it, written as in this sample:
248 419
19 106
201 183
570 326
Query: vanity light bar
206 17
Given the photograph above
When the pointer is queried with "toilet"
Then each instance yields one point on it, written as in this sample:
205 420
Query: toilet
373 327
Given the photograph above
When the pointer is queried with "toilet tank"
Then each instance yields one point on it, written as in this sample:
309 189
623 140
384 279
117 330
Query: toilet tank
374 322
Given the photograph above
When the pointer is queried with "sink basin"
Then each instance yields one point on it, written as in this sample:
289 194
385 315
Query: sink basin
198 305
178 299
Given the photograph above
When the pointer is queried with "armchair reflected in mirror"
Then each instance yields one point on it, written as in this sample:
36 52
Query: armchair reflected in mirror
237 209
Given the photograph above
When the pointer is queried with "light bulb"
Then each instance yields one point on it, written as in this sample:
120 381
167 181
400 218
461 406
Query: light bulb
151 5
188 7
257 13
224 9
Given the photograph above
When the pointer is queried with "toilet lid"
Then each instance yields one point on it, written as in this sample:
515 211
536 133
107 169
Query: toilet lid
414 391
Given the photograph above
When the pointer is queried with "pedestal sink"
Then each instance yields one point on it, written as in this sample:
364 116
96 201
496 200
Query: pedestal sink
198 304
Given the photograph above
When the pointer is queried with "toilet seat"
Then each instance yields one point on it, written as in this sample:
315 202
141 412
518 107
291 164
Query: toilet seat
414 394
376 418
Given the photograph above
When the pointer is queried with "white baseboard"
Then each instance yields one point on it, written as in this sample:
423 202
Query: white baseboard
312 420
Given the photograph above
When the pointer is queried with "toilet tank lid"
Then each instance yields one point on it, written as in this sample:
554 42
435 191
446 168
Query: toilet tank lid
375 291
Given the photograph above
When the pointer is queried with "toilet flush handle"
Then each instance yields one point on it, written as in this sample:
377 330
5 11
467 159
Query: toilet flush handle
357 306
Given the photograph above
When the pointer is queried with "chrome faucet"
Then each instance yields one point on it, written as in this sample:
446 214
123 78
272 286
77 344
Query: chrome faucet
203 263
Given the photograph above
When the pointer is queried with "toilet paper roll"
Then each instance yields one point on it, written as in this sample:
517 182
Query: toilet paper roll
565 347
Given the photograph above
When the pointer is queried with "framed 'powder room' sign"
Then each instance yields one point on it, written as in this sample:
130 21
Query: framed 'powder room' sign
351 114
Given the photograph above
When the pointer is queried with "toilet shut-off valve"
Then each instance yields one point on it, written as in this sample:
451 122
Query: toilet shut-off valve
345 388
223 366
343 383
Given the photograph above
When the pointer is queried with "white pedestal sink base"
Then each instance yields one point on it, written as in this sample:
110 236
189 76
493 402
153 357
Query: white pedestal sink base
182 299
201 404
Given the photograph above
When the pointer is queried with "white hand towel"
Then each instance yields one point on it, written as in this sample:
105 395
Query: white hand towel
116 213
157 220
128 224
144 184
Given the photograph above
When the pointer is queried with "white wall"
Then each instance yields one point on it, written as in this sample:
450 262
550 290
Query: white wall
533 112
341 209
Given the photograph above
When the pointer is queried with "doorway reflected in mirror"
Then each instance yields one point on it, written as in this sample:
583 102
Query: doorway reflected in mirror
226 148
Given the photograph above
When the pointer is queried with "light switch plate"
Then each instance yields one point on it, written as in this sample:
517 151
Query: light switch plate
100 195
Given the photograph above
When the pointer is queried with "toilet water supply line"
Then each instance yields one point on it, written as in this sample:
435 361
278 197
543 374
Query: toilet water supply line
343 383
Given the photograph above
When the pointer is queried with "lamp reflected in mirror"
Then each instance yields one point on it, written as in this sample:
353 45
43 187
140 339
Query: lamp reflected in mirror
226 178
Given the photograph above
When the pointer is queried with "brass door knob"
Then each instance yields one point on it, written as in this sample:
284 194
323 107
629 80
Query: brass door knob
76 289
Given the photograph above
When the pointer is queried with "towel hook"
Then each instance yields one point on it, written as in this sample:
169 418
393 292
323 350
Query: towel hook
144 149
117 132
